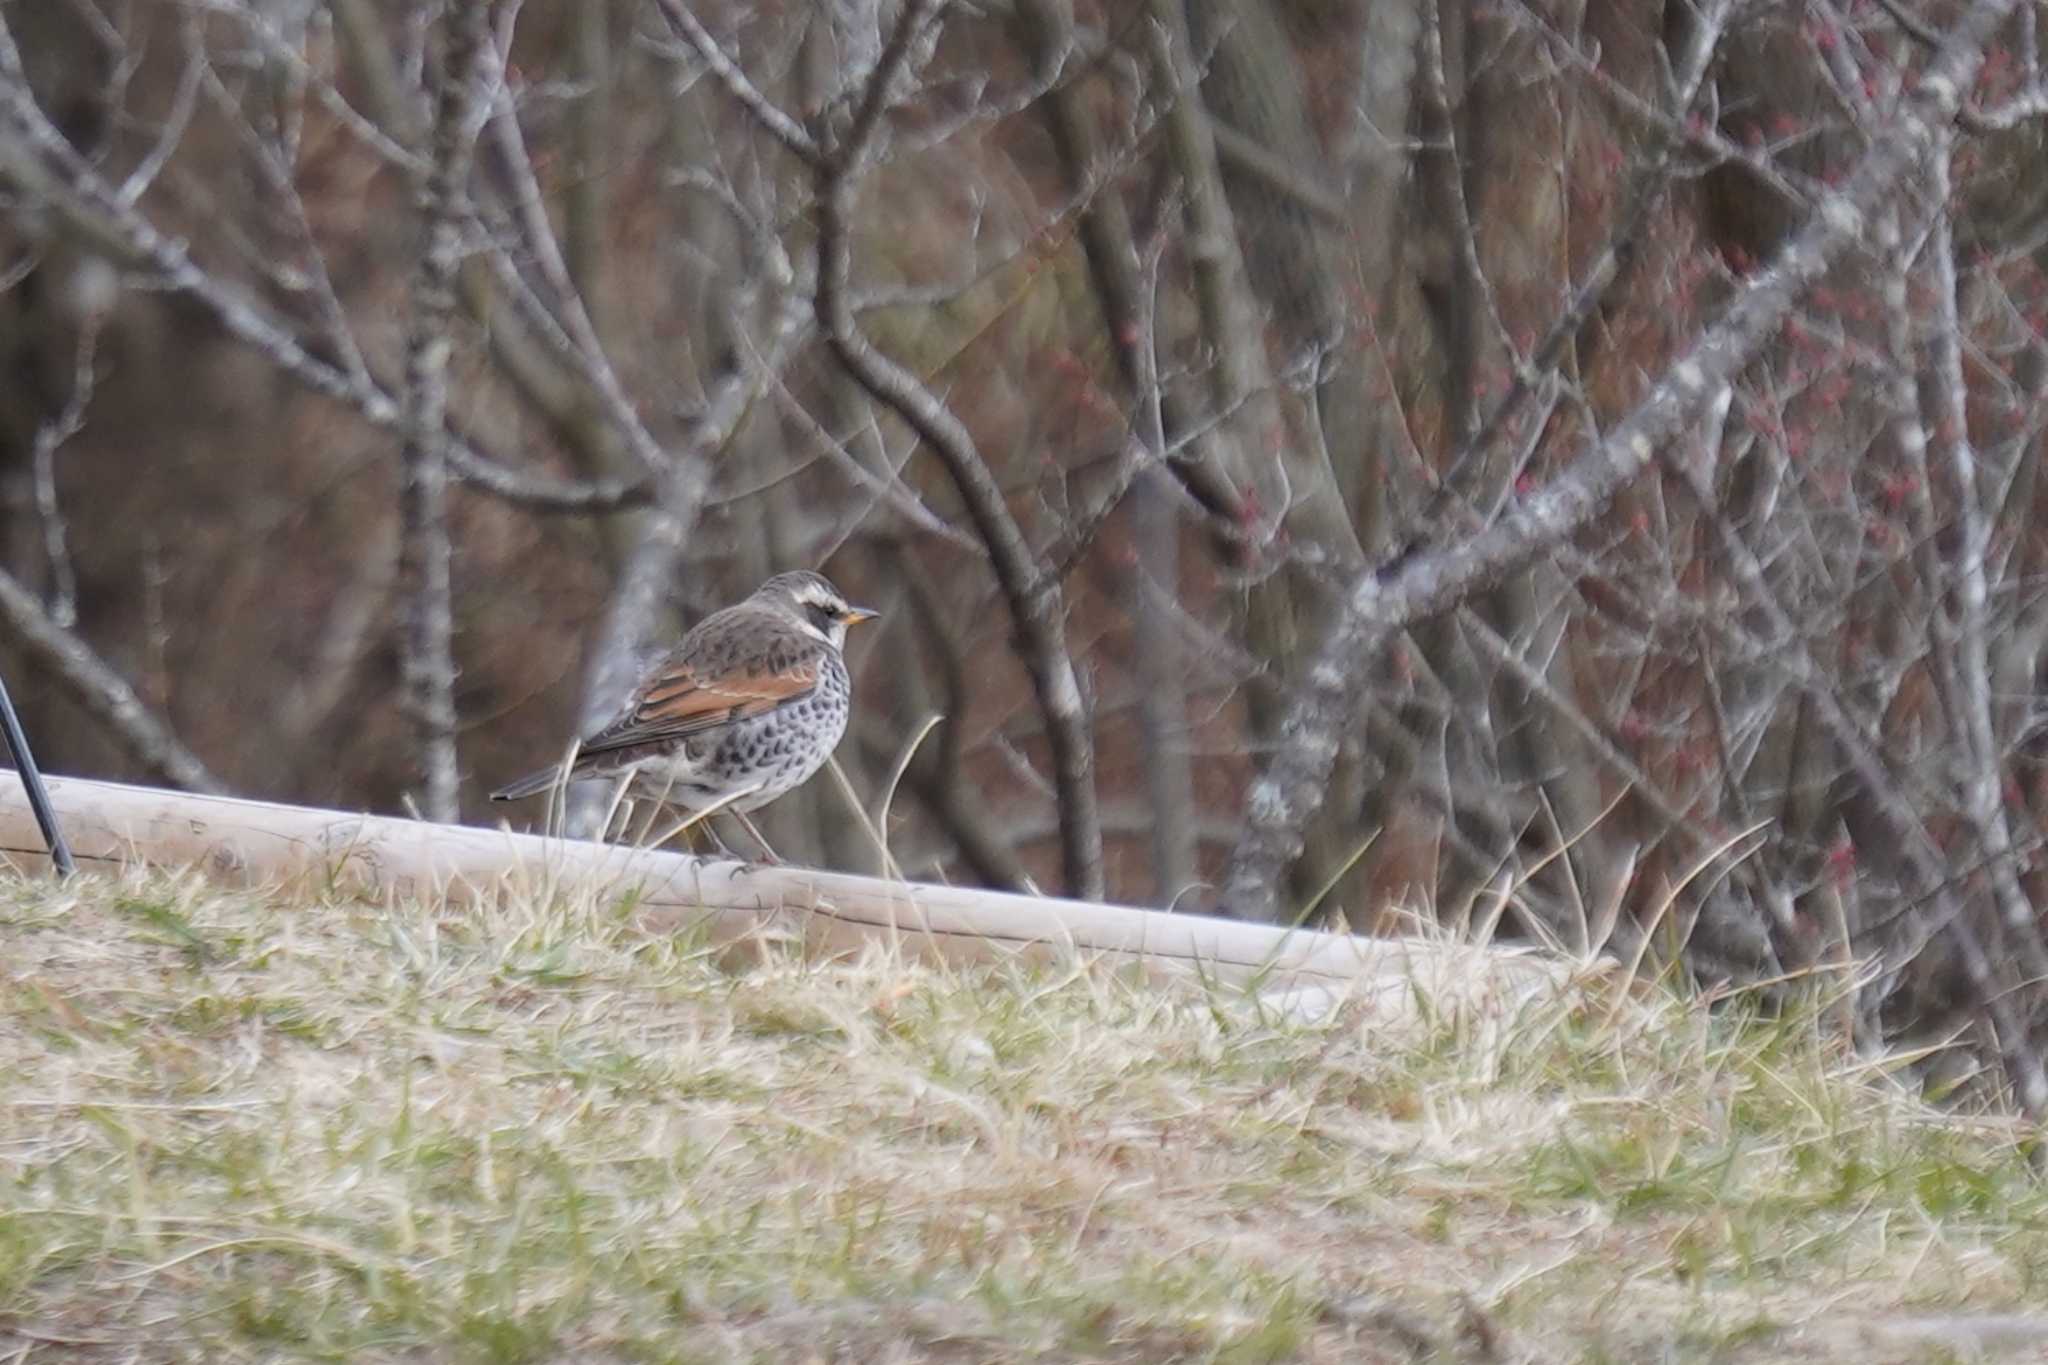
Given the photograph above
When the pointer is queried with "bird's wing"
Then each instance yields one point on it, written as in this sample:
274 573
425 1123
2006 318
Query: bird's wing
682 699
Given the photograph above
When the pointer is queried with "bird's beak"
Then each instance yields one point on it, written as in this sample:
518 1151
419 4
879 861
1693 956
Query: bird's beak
855 615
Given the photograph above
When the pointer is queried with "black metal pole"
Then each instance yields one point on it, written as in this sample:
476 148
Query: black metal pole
32 783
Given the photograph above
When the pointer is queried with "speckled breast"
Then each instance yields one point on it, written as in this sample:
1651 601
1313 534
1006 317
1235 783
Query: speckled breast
764 757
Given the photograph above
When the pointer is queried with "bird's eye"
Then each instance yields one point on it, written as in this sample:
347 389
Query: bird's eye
822 617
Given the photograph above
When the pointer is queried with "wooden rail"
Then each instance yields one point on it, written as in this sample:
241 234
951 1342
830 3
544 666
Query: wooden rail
256 842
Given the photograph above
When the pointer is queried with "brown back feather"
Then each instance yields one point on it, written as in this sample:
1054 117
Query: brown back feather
736 664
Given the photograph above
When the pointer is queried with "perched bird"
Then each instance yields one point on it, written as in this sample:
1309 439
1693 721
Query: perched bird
746 708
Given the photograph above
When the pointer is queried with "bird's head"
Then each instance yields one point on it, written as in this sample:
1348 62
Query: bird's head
818 608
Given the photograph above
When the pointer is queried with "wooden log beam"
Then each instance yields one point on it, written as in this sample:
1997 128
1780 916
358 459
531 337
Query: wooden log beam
111 826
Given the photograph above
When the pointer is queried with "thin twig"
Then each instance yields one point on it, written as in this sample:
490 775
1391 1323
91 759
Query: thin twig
766 112
49 439
1386 600
2023 1064
38 160
1034 595
104 694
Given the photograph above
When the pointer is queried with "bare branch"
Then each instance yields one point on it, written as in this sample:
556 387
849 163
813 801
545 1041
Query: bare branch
766 112
1984 780
679 498
1107 239
1387 599
91 682
1912 27
1033 594
49 439
1529 377
1934 883
539 235
36 158
428 672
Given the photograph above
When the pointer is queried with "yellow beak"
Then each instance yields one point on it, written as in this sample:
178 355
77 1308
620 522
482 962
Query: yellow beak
855 615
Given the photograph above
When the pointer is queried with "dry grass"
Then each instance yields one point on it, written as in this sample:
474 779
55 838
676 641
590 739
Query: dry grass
242 1127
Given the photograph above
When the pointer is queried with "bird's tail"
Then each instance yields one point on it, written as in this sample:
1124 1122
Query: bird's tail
529 784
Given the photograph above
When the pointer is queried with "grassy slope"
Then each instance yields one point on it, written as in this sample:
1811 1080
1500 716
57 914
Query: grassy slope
239 1127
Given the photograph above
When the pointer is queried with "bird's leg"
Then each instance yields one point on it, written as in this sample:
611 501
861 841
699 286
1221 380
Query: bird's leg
768 854
717 840
694 831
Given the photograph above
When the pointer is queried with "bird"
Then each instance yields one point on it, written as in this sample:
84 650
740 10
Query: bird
742 711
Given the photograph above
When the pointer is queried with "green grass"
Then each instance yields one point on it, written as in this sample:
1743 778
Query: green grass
241 1127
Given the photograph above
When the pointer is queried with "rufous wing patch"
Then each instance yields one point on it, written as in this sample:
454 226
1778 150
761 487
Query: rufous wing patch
683 702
